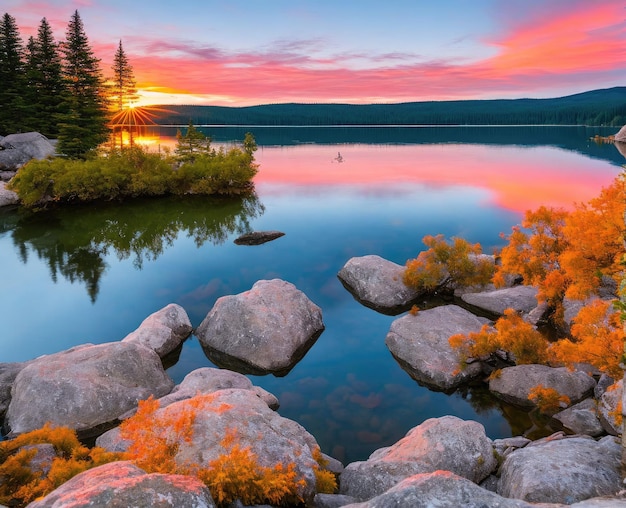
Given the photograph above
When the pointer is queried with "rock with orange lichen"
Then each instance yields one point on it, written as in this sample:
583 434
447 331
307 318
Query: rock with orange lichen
121 484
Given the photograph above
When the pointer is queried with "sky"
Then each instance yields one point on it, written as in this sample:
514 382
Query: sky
241 53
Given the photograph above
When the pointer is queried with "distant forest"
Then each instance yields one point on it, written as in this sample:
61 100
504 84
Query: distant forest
597 107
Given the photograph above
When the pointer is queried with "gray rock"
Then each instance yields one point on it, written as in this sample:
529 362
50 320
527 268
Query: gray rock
122 484
272 438
447 443
601 502
7 197
332 500
377 283
85 387
607 408
420 345
8 373
603 384
523 299
439 489
581 418
515 383
562 471
258 237
267 329
163 331
17 149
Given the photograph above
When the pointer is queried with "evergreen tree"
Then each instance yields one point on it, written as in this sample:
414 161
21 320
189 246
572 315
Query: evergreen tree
46 89
12 80
124 87
85 124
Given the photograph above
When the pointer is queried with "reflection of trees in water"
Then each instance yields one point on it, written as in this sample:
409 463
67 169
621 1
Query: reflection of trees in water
75 241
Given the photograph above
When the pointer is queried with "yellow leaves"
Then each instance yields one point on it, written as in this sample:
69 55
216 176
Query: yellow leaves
548 400
457 262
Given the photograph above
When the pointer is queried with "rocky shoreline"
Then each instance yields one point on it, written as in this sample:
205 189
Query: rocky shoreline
446 460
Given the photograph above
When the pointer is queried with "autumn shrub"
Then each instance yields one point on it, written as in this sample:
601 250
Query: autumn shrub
20 484
510 333
457 262
155 439
597 339
325 480
548 400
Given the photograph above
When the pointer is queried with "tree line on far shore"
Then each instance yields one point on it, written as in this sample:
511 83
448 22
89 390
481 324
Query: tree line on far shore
58 88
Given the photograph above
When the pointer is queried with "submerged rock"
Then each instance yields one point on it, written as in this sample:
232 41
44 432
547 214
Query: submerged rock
522 299
420 345
377 283
267 329
258 237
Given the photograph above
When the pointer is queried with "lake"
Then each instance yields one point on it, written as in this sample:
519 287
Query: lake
93 273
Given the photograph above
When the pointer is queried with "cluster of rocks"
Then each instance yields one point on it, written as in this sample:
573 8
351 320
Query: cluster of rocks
443 461
15 151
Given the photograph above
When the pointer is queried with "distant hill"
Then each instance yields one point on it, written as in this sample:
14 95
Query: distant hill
597 107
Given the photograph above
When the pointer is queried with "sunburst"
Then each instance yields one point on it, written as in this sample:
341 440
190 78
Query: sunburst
131 124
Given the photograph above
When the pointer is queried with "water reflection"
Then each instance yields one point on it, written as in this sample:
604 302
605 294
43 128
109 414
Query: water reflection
74 242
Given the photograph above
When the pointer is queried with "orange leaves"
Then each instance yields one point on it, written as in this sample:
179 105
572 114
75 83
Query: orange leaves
598 339
458 262
510 333
548 400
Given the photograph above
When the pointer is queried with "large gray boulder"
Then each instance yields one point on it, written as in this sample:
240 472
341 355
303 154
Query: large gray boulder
17 149
513 384
85 387
267 329
163 331
7 197
420 345
244 419
377 283
581 418
447 443
523 299
439 489
122 485
565 470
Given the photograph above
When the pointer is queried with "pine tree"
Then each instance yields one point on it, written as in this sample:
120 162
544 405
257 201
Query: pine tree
124 88
85 124
12 104
46 88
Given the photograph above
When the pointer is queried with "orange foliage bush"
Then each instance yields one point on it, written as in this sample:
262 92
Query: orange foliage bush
444 262
548 400
20 484
510 333
598 339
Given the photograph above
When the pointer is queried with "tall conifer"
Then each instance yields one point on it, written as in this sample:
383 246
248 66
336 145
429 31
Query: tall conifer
46 89
124 87
12 81
85 125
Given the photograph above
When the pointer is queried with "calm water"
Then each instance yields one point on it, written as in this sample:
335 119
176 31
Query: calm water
92 274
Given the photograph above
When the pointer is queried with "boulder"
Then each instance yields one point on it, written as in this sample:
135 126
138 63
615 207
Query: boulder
7 197
238 417
85 387
258 237
122 484
522 299
439 488
267 329
377 283
608 408
447 443
513 384
17 149
621 135
8 373
420 345
564 471
163 331
581 418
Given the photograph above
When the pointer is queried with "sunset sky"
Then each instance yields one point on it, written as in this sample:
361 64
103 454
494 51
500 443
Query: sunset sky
351 51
